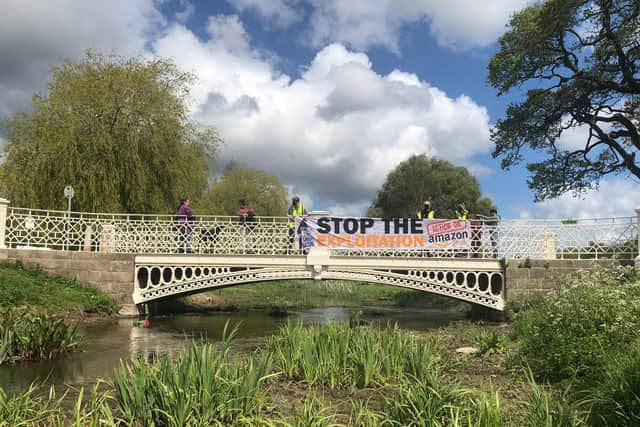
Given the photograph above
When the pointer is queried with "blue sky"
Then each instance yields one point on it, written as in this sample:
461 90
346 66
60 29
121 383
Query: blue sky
329 95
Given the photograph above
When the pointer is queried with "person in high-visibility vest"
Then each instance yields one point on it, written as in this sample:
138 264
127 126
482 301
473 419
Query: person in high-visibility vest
426 212
461 212
296 209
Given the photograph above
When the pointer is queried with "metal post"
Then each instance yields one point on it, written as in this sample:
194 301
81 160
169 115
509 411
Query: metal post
68 193
4 204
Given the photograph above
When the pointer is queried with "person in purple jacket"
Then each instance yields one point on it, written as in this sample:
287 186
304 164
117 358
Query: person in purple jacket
184 223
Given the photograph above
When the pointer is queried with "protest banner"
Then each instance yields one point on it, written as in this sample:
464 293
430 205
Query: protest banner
390 234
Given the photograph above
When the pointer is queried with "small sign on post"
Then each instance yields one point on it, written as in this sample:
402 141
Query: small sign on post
68 193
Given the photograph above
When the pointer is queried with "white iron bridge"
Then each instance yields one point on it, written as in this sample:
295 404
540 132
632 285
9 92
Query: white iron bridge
223 252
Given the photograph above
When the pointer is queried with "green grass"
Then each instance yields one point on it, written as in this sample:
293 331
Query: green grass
33 289
303 294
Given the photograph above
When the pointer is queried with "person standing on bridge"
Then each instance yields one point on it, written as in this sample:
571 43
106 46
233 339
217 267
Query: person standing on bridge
247 218
246 214
426 212
461 212
184 222
295 210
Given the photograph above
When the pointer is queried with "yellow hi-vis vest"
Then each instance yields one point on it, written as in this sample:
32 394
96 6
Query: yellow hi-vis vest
294 213
463 215
430 215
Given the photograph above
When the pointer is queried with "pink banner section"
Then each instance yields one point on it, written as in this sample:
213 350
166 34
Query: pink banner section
392 234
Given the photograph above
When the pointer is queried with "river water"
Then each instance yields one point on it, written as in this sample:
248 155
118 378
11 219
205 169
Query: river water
104 346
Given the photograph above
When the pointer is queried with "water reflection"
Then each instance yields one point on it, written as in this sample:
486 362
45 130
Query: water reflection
105 345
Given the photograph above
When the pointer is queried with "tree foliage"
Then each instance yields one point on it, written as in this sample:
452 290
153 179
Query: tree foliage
420 178
264 192
115 129
581 61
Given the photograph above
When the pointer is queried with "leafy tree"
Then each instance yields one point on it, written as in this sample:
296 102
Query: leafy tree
581 61
420 178
115 129
264 192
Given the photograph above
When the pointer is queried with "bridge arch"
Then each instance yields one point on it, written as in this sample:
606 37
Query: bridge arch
479 282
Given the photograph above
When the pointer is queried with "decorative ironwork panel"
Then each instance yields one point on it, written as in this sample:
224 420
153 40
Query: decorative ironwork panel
159 234
156 281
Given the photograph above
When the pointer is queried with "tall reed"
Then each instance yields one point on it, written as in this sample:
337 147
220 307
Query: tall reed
26 335
615 399
30 408
203 387
343 357
546 410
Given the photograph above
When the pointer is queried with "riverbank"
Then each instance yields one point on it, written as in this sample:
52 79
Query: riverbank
32 289
340 375
365 372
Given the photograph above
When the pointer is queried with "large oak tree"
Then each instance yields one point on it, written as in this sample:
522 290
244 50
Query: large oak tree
420 178
580 63
117 130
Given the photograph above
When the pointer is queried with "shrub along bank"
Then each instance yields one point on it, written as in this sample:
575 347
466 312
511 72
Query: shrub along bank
33 306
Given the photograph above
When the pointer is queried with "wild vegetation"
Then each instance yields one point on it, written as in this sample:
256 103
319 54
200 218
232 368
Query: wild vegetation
24 335
370 375
33 308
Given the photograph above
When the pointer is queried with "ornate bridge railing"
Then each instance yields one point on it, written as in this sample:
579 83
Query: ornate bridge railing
218 235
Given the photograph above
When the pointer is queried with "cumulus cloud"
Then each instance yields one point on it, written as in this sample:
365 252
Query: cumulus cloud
188 9
334 132
276 13
615 197
331 134
456 24
38 33
228 31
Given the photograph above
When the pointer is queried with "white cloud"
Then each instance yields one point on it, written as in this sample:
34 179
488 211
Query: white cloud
38 33
333 133
574 138
615 197
277 13
456 24
480 171
228 31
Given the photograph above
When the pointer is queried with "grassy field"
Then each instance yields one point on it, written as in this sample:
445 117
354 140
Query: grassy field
35 290
304 294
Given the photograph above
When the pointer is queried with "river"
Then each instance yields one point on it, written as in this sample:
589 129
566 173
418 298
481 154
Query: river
104 346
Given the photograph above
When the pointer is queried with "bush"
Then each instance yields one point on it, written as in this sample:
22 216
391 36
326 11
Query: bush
570 336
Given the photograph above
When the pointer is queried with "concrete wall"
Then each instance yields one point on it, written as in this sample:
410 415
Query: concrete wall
111 273
526 279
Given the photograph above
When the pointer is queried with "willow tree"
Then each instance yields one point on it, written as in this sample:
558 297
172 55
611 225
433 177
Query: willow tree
117 130
420 178
264 192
